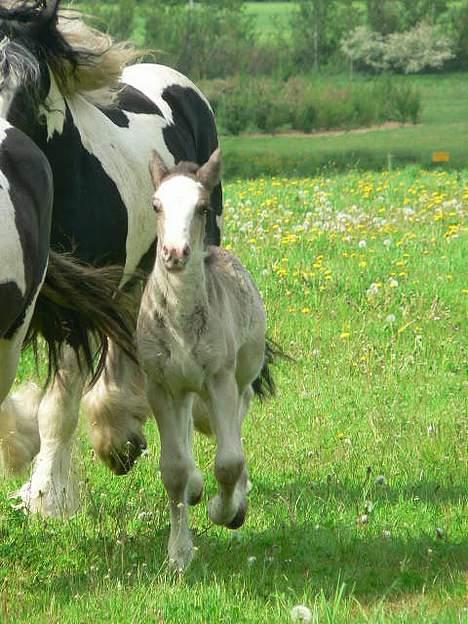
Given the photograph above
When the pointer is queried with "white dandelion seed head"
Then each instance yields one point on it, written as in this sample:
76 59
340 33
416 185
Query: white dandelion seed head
379 480
393 283
390 318
251 560
372 290
301 613
362 244
387 242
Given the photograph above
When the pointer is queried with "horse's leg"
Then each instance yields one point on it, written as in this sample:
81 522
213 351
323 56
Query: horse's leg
117 409
173 416
51 489
195 482
229 506
19 434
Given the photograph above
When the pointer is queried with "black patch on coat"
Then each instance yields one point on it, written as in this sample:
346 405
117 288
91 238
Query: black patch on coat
193 137
90 217
129 100
11 309
30 181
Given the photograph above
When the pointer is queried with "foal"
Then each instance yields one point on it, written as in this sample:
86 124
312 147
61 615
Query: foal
201 338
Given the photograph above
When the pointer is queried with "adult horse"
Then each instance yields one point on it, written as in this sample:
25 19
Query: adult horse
42 291
65 86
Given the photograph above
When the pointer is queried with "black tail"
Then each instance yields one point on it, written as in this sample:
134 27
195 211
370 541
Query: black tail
80 305
264 386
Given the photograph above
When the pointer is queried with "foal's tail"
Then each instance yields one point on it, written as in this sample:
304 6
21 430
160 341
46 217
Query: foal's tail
81 306
264 386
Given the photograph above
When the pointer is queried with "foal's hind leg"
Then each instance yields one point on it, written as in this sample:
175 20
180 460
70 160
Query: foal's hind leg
229 506
117 409
51 489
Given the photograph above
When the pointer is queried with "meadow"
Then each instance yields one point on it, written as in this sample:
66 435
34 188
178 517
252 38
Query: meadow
359 465
443 125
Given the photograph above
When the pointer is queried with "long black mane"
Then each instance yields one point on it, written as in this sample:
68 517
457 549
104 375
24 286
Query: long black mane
35 36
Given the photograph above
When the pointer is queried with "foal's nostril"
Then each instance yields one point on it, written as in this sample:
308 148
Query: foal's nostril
186 251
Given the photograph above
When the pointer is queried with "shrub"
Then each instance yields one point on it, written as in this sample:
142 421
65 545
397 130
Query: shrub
420 48
410 52
304 104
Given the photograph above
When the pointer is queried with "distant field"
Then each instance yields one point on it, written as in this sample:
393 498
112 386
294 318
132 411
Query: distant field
271 14
444 126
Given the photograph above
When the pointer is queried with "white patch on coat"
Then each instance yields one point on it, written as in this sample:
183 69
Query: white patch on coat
11 251
151 79
54 109
6 97
124 154
179 196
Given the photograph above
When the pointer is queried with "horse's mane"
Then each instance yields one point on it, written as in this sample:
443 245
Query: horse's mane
82 59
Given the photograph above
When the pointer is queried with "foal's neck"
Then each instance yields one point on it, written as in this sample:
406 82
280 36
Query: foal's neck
179 292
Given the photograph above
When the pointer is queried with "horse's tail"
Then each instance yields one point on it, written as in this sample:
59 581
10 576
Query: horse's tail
264 386
81 306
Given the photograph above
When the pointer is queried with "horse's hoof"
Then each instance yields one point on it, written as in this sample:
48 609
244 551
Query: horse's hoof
239 518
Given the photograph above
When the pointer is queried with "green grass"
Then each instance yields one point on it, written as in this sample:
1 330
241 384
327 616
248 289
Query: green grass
364 281
444 124
271 17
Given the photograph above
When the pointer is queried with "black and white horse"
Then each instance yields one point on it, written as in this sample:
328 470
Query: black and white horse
97 121
42 291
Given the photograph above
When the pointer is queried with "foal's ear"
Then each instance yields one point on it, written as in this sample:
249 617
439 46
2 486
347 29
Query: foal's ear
210 173
158 169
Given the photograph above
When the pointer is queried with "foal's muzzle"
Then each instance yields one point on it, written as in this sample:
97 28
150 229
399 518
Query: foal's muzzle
175 258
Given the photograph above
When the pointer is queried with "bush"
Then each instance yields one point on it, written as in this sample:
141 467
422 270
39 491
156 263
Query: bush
305 104
410 52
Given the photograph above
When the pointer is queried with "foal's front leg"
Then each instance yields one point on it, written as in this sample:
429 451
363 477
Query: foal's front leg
173 416
229 506
51 489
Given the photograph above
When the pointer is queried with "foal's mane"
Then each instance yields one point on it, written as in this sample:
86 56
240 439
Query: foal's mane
82 59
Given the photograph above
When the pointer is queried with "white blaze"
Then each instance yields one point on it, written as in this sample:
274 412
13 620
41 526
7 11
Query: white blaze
179 196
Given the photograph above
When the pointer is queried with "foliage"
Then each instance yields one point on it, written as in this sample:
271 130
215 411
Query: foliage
208 40
358 506
422 47
307 104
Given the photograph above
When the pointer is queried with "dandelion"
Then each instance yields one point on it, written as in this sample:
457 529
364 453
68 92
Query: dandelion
372 290
391 318
362 244
251 560
379 480
393 283
301 613
386 534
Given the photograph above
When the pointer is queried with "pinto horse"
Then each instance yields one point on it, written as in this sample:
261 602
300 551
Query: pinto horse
97 119
41 291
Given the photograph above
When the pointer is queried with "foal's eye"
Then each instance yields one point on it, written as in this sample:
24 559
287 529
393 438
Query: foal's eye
157 207
203 208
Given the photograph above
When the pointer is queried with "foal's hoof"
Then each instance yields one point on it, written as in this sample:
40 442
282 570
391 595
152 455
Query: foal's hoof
239 518
121 461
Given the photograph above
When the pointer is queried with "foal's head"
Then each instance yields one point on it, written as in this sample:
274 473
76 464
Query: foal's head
181 202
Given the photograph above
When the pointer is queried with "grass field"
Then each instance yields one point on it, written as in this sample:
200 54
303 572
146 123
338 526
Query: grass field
359 466
444 126
271 17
